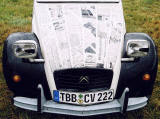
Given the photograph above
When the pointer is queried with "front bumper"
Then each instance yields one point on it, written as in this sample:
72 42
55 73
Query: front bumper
118 105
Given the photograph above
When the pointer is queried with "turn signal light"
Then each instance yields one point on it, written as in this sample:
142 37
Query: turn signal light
146 77
16 78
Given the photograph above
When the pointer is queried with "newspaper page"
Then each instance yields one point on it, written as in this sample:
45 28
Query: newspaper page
61 44
47 30
89 20
74 31
114 39
104 26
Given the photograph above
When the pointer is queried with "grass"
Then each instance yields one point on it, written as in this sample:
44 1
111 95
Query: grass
140 16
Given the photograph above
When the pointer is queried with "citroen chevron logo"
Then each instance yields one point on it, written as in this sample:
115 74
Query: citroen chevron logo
84 79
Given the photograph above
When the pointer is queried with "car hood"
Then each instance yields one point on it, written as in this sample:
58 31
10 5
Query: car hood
80 35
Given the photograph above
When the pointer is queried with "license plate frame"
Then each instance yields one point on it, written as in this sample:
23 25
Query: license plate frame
83 98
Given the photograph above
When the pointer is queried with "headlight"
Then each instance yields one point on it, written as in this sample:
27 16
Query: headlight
25 49
137 48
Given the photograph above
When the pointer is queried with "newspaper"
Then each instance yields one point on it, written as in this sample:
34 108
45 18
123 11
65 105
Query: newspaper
83 35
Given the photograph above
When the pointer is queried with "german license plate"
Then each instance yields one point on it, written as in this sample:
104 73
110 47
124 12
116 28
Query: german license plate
83 98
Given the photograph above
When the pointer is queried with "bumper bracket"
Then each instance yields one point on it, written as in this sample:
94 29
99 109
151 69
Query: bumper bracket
124 100
41 98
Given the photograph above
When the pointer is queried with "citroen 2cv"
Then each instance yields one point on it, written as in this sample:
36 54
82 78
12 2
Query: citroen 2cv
79 60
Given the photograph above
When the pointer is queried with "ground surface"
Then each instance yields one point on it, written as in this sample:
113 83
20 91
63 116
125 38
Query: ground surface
140 15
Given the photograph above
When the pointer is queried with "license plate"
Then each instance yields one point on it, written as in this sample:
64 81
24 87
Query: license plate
83 98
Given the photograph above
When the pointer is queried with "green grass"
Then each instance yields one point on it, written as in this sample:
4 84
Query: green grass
140 16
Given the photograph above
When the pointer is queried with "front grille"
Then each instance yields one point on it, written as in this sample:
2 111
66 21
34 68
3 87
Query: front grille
71 79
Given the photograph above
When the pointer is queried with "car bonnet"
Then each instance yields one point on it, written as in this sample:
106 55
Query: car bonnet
75 35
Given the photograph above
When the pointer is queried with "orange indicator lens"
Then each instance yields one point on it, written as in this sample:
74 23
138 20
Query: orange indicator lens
146 77
16 78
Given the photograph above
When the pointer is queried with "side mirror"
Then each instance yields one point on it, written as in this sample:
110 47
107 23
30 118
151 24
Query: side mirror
25 49
137 48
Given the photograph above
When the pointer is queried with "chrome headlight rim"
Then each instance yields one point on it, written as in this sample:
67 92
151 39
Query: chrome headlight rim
22 44
136 41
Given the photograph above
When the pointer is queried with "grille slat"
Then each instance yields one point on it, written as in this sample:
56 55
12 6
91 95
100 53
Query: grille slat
70 79
98 82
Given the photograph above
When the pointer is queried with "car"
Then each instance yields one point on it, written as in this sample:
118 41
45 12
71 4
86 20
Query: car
79 60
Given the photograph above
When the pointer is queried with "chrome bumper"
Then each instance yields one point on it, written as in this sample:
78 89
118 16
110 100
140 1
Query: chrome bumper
118 105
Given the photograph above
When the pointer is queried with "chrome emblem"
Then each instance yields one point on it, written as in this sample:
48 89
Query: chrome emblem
84 79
